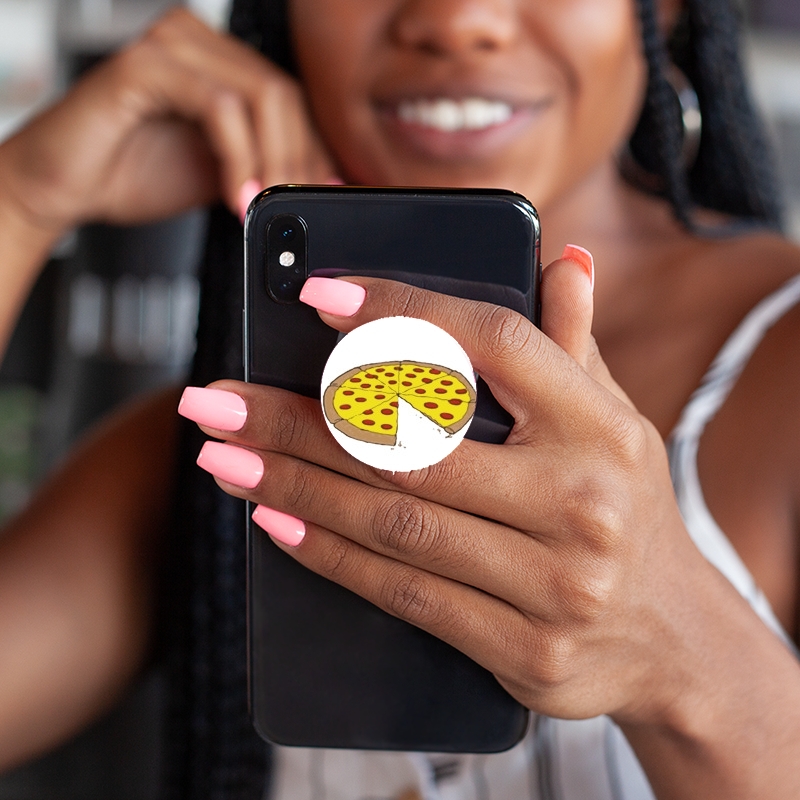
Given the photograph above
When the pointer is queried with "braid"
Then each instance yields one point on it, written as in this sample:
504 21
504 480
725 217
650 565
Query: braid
656 143
732 173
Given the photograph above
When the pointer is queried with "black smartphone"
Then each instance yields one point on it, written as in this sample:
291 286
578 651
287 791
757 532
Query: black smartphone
327 668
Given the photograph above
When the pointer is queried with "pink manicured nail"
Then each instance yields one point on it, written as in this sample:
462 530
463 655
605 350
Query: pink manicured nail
232 464
216 408
249 190
341 298
280 526
580 255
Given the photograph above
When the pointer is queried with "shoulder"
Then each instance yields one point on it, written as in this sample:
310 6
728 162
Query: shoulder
749 458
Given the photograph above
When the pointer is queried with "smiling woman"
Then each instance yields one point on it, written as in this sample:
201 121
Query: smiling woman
646 632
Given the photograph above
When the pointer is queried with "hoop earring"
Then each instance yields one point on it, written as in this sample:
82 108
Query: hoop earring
691 120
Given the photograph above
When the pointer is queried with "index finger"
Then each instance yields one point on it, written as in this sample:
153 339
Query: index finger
523 367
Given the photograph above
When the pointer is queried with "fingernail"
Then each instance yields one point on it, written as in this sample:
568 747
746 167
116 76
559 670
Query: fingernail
283 527
216 408
341 298
250 188
232 464
580 255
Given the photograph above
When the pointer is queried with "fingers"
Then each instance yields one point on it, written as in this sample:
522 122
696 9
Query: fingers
514 485
417 532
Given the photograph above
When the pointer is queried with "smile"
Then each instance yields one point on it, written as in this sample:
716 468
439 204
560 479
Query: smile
449 116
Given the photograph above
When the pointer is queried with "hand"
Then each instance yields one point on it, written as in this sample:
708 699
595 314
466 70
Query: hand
551 559
179 118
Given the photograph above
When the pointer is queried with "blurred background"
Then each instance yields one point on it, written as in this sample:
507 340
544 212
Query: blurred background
114 314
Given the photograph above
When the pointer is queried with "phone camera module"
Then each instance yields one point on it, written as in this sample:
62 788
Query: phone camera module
286 257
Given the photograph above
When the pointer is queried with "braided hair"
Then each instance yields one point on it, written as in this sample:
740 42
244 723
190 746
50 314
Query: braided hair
211 748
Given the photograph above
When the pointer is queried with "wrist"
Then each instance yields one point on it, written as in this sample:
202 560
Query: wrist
724 719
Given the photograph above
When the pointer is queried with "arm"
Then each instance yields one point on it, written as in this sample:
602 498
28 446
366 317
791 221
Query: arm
77 572
180 118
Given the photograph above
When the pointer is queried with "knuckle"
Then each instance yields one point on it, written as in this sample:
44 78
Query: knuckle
552 663
594 514
406 525
301 488
408 300
334 560
412 598
589 591
507 334
288 427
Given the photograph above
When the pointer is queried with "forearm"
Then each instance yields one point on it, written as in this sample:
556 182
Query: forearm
77 575
733 729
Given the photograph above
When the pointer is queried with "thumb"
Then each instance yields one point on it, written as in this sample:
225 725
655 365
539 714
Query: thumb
567 310
568 304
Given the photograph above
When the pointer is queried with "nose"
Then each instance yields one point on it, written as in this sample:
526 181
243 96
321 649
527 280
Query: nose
449 27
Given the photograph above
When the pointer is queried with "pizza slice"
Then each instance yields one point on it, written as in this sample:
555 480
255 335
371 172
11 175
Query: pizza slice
377 425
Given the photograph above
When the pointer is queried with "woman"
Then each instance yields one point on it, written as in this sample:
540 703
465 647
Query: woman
579 583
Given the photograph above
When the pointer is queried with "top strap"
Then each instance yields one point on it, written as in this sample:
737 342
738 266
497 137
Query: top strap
726 368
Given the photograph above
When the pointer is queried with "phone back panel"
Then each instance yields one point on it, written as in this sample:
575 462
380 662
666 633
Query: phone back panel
327 668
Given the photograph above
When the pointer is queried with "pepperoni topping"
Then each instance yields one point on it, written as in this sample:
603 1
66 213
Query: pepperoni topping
361 399
447 383
380 396
355 380
387 411
390 374
380 369
418 369
386 427
367 421
368 411
371 376
419 391
393 404
392 383
455 402
445 415
366 385
439 390
345 406
407 383
431 405
461 391
436 372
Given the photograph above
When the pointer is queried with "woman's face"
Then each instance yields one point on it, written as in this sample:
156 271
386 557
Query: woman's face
530 95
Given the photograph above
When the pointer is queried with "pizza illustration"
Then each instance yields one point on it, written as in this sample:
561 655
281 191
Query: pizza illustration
363 403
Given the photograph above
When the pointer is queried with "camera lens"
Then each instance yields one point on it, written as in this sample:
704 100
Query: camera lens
286 255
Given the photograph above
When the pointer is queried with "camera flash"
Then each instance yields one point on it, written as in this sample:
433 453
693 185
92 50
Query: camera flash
286 258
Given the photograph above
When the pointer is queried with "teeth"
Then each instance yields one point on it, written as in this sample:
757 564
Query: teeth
448 115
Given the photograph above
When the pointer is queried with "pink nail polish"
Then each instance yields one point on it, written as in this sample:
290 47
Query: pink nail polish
249 190
283 527
341 298
580 255
232 464
216 408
